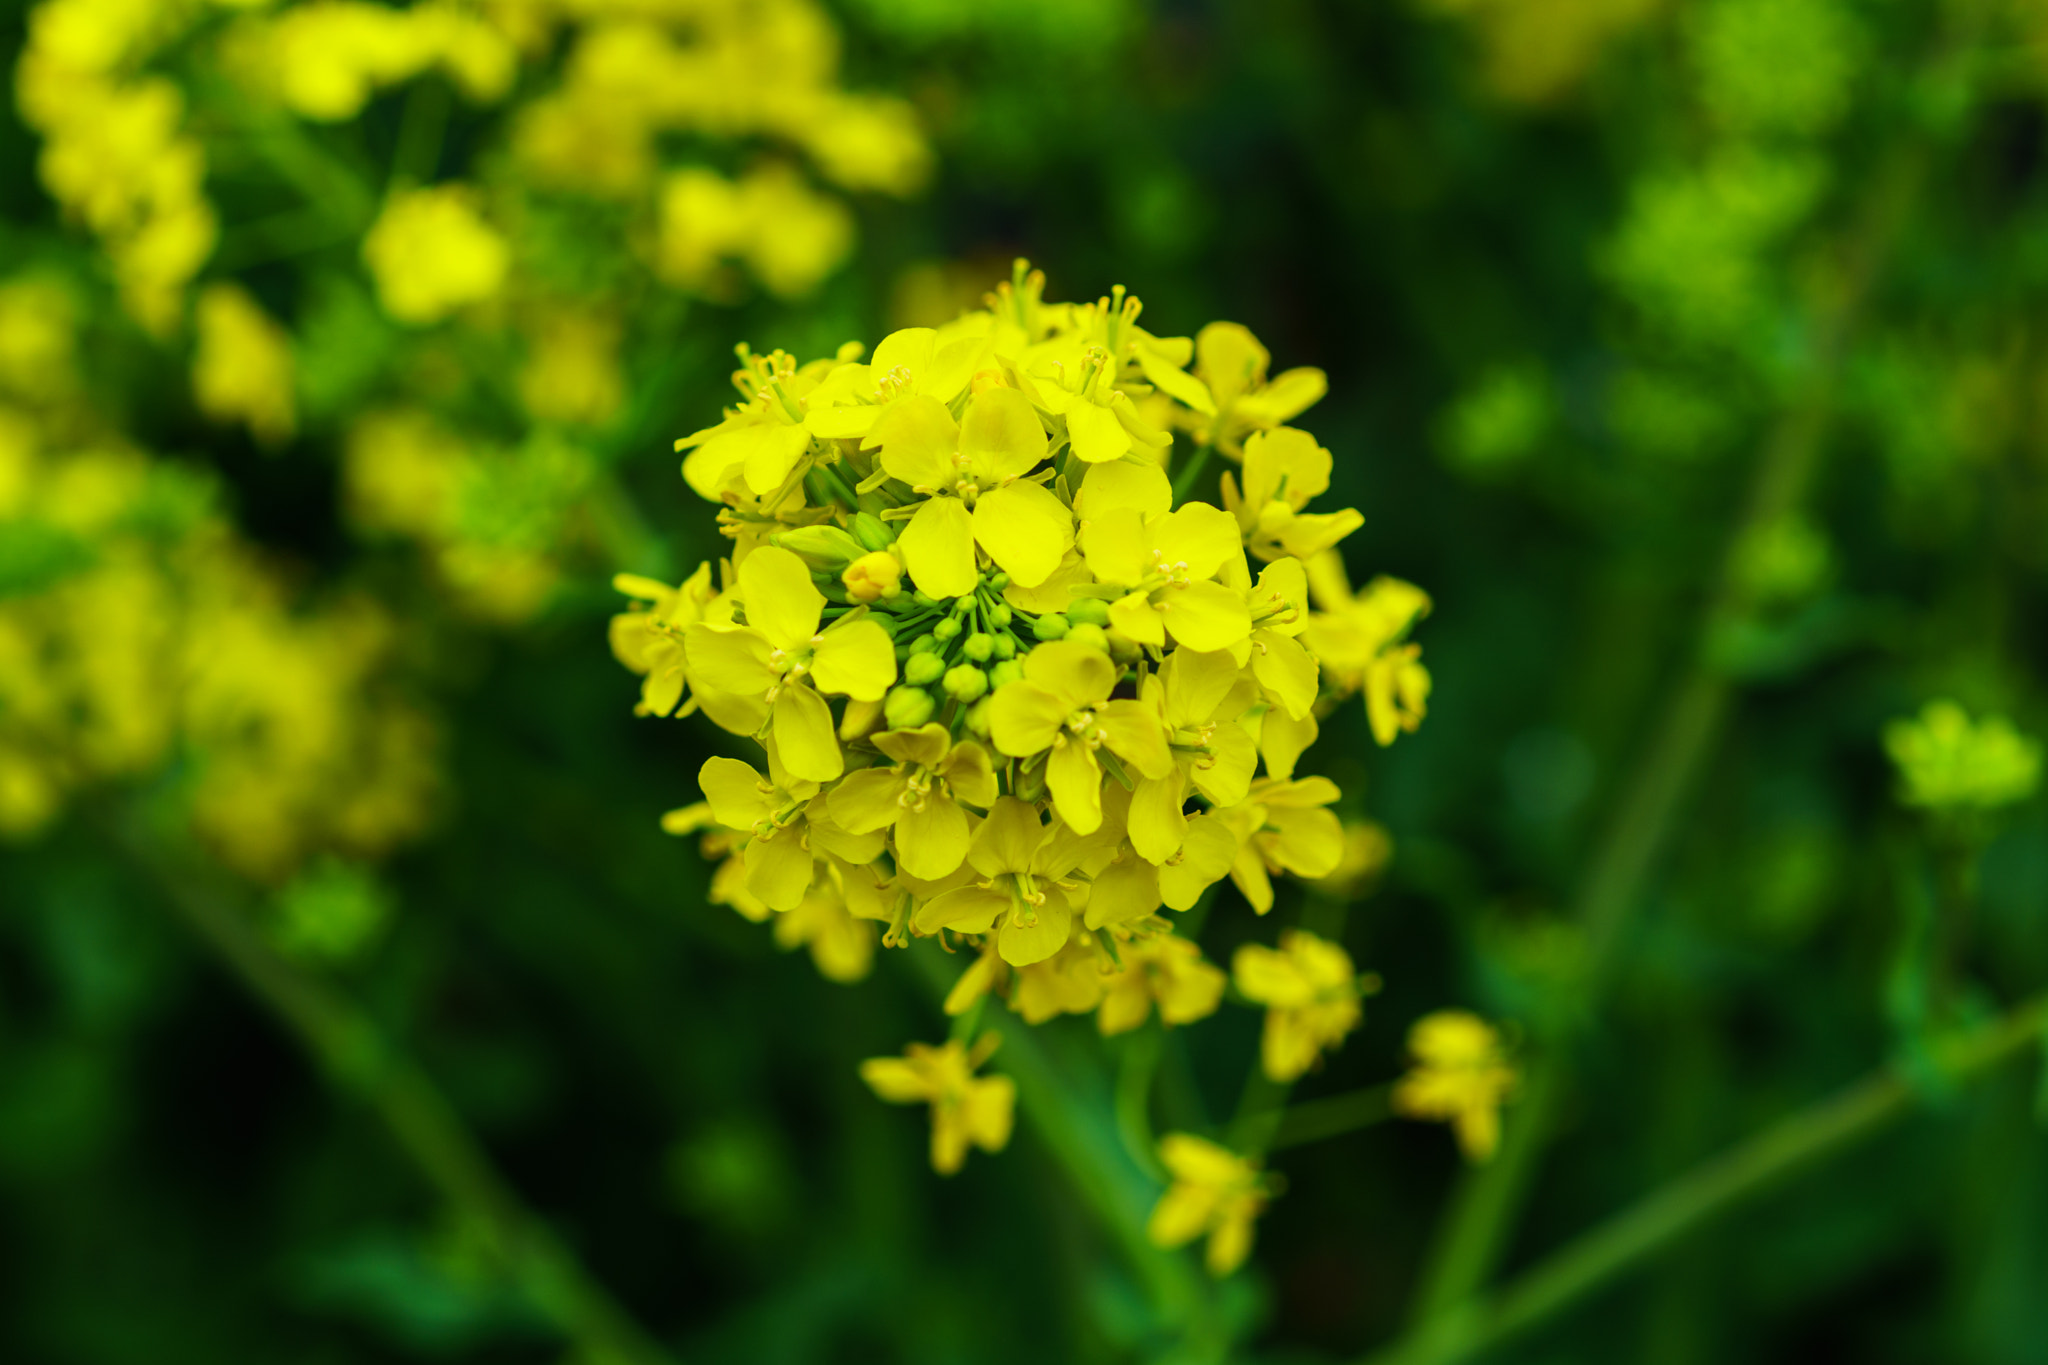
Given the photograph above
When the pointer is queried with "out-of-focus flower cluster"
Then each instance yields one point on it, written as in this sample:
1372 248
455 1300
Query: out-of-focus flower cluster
1948 762
1013 688
559 168
141 639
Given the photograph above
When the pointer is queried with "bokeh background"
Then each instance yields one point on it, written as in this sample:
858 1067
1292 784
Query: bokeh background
1681 349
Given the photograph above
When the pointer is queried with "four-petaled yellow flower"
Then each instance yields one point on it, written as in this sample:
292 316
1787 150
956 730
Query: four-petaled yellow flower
1311 993
1164 970
919 797
432 253
1062 704
778 668
1461 1076
1948 762
1023 894
1283 469
967 1110
1214 1191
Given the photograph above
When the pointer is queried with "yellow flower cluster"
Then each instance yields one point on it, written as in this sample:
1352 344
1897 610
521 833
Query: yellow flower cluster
139 636
1011 685
1946 761
116 153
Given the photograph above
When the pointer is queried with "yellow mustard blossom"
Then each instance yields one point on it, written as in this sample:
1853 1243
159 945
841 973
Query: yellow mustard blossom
1946 761
1361 639
1461 1076
1311 993
1164 970
174 643
967 1110
324 60
778 667
431 253
842 946
1012 693
649 638
1214 1191
243 370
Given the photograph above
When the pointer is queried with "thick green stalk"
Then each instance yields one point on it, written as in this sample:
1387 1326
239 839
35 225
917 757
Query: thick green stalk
1654 1224
359 1058
1690 719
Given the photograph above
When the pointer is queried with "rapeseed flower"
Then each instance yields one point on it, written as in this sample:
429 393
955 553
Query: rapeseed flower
1214 1191
967 1110
1312 996
1461 1076
1012 693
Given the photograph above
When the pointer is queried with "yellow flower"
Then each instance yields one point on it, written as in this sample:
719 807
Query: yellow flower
1167 566
649 638
1214 1191
243 369
1311 993
1164 969
770 813
1946 761
842 947
1358 639
1200 699
917 797
1461 1076
978 465
778 667
1283 826
1283 469
1062 704
431 253
1023 892
1231 364
966 1109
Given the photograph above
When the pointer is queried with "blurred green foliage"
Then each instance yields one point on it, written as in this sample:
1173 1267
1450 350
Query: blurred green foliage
1683 351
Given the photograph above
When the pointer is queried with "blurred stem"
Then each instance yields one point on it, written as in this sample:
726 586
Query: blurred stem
1259 1108
1071 1107
1184 482
1689 720
359 1058
1631 1239
1333 1116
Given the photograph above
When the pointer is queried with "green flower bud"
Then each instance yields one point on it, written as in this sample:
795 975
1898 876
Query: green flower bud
965 682
906 708
1008 671
1091 634
1049 627
926 643
825 548
977 718
999 615
979 646
999 580
924 668
1006 646
1091 611
947 628
871 531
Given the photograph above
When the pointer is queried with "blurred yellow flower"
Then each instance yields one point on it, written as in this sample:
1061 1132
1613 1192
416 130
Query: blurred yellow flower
967 1110
242 371
1214 1191
1461 1076
1311 993
431 253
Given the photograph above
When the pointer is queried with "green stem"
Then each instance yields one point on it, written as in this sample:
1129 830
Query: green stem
1690 717
1184 483
1631 1239
357 1056
1334 1116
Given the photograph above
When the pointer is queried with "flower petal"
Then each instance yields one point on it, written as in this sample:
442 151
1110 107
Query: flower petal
1025 529
804 735
782 602
855 660
938 548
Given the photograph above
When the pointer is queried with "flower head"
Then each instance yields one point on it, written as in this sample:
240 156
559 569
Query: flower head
967 1110
1214 1191
1461 1076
